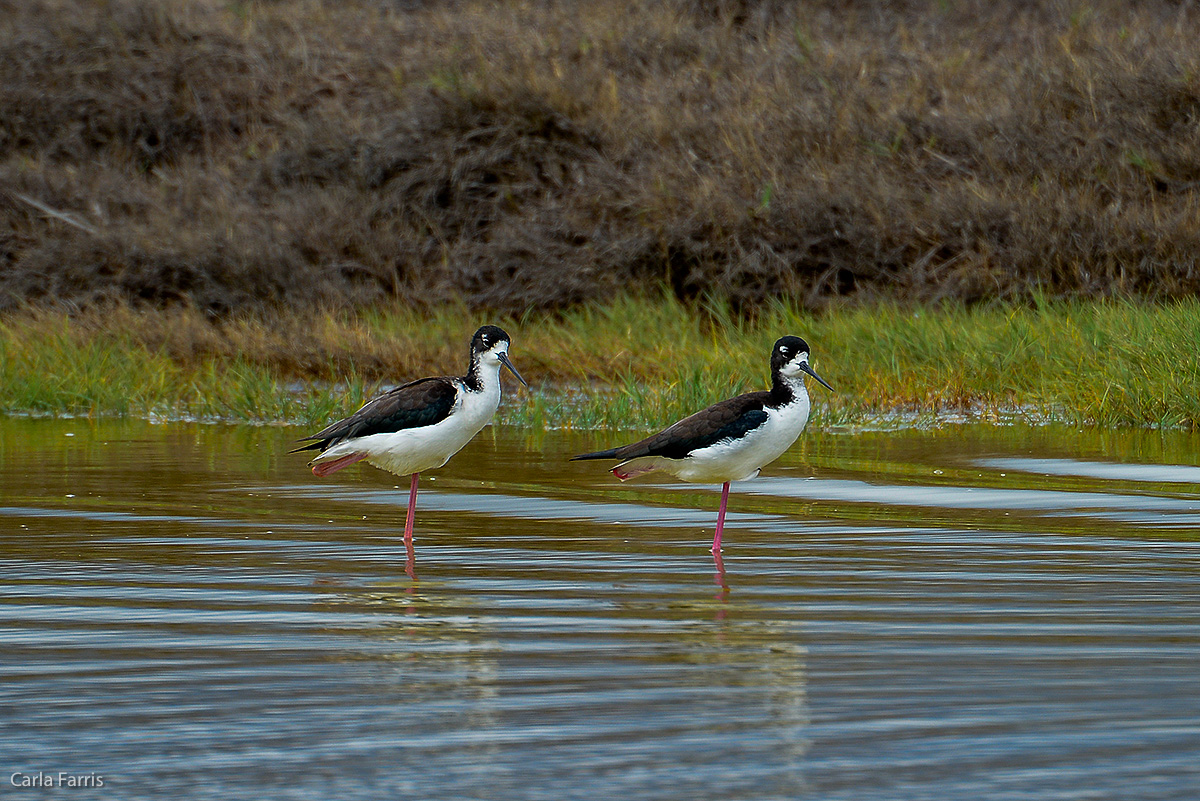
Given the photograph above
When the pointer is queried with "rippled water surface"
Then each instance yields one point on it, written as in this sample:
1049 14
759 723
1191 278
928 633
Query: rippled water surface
973 612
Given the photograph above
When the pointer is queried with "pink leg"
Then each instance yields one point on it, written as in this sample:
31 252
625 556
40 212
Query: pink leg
719 577
410 564
412 507
719 580
716 549
325 468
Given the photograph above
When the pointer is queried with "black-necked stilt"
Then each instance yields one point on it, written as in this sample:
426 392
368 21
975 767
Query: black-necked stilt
730 440
420 425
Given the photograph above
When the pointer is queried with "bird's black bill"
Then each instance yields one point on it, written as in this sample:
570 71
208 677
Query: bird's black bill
804 366
503 357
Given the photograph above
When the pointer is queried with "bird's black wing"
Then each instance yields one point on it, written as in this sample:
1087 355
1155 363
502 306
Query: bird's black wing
725 420
419 403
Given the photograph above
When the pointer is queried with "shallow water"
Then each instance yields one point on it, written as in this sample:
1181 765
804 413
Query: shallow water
973 612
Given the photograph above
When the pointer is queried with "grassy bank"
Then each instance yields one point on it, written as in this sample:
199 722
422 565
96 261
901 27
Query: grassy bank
512 155
634 363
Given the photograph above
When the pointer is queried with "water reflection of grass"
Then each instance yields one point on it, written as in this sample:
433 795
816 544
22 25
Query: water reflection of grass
634 363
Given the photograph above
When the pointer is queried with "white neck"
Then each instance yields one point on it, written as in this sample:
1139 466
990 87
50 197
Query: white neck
489 377
796 384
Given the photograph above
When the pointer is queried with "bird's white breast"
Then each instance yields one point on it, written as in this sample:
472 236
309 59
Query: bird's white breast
740 459
414 450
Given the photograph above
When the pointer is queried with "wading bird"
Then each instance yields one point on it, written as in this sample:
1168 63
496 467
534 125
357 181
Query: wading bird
730 440
420 425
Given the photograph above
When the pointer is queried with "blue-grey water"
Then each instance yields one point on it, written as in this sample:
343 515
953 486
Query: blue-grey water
963 613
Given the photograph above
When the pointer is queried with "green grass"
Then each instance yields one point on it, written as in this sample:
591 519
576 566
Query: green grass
638 363
1089 363
51 370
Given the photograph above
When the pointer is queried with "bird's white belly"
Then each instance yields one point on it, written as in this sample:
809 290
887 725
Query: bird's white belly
741 459
415 450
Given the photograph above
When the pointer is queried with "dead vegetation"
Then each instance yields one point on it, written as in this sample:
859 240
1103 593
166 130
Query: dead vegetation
257 156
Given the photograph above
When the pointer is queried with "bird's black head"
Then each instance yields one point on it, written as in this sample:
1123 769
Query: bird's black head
490 346
790 358
487 338
786 349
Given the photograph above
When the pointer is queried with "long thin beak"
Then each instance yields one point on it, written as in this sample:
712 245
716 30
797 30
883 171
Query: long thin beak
503 357
804 366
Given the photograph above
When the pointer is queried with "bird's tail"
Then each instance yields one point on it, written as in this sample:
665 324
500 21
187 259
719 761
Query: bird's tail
611 453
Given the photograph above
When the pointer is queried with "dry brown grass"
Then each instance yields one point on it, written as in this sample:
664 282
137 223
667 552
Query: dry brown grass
514 155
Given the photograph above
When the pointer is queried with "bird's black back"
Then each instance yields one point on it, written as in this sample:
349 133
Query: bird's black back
420 403
725 420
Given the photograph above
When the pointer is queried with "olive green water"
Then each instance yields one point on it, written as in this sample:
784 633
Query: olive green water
973 612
